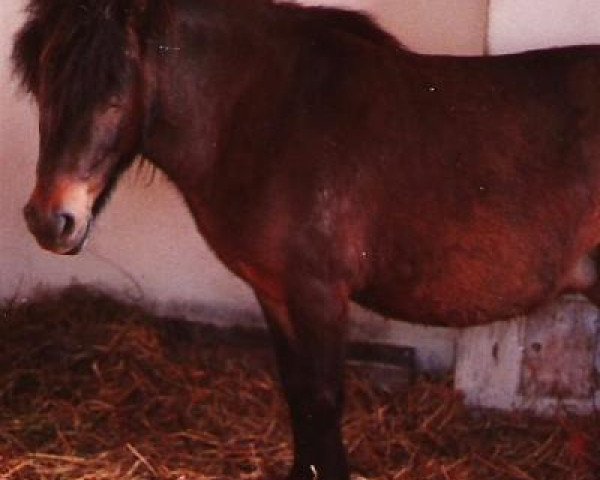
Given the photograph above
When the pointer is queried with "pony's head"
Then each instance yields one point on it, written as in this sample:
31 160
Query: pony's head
82 62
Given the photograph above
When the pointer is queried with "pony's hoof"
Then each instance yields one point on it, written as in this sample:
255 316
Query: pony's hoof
312 473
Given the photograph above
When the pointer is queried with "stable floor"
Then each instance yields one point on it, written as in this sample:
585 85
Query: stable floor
92 388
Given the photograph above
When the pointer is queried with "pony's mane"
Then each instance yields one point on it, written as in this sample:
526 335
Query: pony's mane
82 42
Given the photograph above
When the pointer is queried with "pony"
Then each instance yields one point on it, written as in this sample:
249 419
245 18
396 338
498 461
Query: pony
324 163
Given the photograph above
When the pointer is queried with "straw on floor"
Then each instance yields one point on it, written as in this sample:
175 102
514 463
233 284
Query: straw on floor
93 388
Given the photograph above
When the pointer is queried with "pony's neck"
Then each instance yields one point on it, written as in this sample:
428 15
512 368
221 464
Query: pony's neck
195 76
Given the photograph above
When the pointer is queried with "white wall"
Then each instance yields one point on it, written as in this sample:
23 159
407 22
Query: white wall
145 238
517 25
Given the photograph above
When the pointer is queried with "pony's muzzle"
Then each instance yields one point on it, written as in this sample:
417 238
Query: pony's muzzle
57 231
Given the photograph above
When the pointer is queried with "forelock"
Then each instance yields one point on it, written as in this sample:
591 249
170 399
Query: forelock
73 52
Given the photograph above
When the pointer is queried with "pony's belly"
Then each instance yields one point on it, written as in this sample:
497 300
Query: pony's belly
473 297
444 311
471 300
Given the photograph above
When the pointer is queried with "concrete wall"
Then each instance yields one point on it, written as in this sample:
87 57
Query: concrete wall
145 244
516 25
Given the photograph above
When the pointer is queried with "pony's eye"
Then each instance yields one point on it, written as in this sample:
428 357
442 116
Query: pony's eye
114 103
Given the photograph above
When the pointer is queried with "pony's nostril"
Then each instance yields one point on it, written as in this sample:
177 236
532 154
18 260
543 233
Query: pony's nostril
65 224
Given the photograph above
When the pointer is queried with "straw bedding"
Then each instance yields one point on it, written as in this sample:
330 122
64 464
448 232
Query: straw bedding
93 388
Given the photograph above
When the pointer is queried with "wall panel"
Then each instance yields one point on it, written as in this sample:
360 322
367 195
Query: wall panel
517 25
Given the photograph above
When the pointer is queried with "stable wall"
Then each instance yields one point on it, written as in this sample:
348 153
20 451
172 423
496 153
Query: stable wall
517 25
144 245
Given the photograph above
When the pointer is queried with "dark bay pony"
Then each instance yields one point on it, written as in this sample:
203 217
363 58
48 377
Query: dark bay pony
324 163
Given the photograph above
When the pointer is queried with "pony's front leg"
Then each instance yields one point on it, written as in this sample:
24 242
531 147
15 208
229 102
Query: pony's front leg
309 331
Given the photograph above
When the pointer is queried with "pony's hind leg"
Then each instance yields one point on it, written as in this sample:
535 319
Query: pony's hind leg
309 337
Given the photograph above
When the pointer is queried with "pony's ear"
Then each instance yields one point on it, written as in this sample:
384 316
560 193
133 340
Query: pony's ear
26 54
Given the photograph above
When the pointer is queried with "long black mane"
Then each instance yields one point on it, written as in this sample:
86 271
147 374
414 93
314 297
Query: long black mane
80 43
63 38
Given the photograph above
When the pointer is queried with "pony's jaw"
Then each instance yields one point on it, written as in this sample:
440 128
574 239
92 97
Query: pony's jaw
60 218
